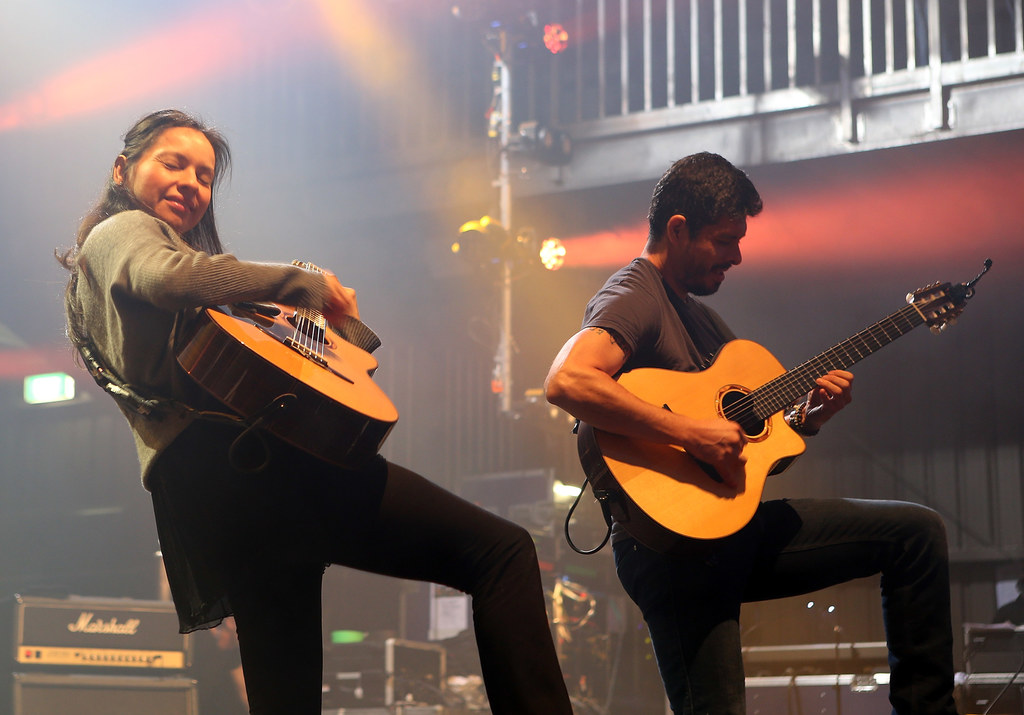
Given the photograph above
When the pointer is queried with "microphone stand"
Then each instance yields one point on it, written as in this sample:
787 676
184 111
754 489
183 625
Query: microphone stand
839 693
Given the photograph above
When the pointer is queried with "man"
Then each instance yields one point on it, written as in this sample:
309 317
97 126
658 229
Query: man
690 593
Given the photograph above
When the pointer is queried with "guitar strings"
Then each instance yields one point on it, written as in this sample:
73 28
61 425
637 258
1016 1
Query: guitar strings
785 389
310 324
310 331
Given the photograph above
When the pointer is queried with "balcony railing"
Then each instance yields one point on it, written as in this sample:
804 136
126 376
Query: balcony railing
701 60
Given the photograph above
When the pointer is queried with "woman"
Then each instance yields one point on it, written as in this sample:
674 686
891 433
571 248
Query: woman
248 533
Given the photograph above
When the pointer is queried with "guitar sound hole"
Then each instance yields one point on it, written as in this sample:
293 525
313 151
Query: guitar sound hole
743 414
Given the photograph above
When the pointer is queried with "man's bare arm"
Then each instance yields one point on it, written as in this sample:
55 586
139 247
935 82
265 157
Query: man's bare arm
581 382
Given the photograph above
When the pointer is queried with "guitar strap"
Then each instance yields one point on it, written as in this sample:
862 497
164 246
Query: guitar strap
156 407
120 390
611 503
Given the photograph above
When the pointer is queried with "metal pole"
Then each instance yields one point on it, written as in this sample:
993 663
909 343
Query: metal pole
503 358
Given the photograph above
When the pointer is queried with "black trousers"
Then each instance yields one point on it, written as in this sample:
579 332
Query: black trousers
691 599
258 542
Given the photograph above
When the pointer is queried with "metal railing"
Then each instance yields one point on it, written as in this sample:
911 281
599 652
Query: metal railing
761 80
633 58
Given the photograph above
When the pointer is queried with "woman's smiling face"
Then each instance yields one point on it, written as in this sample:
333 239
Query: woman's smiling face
173 178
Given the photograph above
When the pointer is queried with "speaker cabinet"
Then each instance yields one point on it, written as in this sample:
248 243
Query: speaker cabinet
60 694
990 693
364 675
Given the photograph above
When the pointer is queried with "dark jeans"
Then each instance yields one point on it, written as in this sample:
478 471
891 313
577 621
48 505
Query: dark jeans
691 599
265 538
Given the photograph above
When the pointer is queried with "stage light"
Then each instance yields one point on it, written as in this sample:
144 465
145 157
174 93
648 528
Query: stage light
481 240
554 146
487 242
482 225
546 144
556 38
49 387
527 249
552 253
564 492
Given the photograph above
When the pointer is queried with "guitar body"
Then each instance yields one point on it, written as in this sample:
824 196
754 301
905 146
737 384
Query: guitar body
243 359
672 491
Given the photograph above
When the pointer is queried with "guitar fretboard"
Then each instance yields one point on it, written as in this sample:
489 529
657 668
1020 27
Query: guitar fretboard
785 389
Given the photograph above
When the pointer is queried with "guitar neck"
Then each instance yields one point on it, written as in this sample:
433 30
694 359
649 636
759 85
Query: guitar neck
781 392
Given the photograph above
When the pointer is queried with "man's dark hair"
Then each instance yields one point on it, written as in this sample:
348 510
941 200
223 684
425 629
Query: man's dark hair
703 188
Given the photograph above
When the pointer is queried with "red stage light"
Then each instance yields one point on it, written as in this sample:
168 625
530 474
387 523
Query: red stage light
556 38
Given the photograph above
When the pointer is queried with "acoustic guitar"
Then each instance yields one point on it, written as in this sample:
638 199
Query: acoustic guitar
288 368
659 492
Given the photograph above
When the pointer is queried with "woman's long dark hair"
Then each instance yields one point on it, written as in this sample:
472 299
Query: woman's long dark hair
117 198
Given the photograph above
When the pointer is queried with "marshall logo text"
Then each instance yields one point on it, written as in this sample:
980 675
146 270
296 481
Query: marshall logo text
87 624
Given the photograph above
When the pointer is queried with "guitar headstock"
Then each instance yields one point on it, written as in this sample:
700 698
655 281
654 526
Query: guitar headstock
940 304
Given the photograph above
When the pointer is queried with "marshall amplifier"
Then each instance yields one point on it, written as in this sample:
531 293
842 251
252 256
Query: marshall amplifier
59 694
93 634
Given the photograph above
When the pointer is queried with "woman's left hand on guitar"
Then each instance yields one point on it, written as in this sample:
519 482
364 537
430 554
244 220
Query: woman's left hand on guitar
832 394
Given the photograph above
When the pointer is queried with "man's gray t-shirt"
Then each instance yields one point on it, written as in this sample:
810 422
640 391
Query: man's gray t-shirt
657 327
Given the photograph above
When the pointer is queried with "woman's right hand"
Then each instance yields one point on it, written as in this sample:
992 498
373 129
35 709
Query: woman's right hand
340 301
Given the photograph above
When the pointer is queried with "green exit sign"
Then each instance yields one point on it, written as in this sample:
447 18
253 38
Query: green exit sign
50 387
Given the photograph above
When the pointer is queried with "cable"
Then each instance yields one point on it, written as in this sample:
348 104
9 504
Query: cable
568 517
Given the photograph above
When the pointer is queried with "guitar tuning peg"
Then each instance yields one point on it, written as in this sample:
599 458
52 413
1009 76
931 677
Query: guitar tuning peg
946 322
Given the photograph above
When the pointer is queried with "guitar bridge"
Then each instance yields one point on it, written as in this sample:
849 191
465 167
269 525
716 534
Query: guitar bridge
305 352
